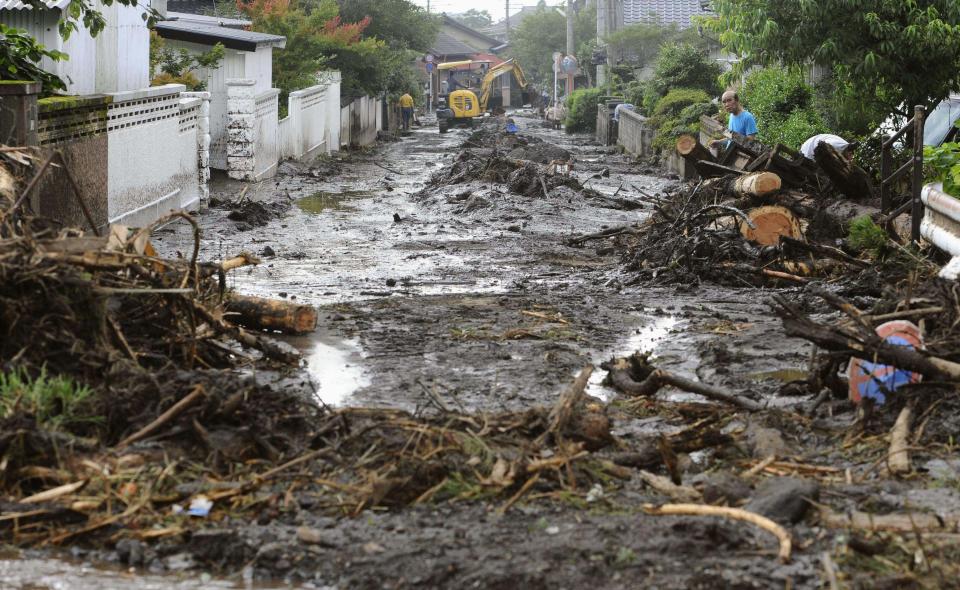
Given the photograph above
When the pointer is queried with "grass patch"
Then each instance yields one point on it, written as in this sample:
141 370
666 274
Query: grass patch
58 402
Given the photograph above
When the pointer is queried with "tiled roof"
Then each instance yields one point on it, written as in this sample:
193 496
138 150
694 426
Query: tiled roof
665 12
447 45
19 4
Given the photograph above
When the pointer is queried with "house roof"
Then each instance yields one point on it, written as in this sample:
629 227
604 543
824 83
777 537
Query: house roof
447 45
499 29
20 4
483 37
666 12
211 35
213 21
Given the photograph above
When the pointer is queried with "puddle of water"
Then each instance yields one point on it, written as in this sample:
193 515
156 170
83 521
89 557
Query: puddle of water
644 339
335 365
322 201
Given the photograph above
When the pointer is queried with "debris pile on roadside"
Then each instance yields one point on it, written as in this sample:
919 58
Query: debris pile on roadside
760 215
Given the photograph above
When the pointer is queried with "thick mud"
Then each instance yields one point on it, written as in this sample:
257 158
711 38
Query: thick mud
470 294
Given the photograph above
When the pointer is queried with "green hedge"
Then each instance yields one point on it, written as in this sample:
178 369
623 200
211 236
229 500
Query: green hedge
582 110
678 113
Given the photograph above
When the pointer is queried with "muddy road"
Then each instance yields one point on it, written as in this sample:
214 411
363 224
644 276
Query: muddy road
470 297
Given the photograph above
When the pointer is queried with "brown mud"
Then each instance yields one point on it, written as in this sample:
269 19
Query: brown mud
446 300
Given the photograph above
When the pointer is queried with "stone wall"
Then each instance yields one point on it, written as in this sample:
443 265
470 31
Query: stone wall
253 135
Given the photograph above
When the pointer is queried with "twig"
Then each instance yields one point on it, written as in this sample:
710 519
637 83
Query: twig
523 490
829 570
898 460
54 493
735 513
162 419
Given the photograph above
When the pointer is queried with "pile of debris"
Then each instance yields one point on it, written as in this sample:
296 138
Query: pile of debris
758 215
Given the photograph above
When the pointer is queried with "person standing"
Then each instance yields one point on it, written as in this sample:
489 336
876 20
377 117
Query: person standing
406 110
741 120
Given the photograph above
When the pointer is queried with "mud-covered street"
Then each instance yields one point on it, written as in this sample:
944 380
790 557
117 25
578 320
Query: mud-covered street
423 440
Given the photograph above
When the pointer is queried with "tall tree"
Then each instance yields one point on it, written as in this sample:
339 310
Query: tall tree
542 33
910 47
400 23
473 18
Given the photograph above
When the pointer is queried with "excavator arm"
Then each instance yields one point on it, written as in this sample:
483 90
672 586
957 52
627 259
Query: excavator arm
494 73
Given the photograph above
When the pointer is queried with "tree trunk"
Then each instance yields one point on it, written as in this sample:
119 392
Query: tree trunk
692 150
256 312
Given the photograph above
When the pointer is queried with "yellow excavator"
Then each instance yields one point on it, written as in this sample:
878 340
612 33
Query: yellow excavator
463 105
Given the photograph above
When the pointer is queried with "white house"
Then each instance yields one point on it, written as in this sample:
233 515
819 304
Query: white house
249 56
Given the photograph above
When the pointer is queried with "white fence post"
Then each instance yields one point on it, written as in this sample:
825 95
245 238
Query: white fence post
203 145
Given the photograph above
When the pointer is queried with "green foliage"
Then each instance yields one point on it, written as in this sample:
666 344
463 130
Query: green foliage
319 39
845 111
911 48
401 24
641 43
678 113
170 66
58 403
867 236
681 66
582 110
542 33
473 18
20 55
782 103
942 164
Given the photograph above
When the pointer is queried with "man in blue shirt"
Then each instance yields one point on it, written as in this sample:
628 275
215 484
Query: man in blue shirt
741 120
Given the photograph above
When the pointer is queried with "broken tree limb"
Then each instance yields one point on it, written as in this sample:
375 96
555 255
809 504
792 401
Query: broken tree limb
903 522
863 343
898 459
692 150
271 314
270 348
769 223
677 493
174 411
735 513
574 419
622 378
243 259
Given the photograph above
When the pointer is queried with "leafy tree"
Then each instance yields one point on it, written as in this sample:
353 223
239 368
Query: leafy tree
318 39
783 104
401 24
640 43
582 110
473 18
542 33
681 66
19 55
910 46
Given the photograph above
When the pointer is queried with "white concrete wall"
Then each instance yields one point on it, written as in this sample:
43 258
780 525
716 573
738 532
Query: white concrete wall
634 134
359 122
304 132
334 112
152 162
266 134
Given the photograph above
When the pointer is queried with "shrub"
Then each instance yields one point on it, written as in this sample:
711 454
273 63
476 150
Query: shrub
867 236
582 110
681 66
678 113
782 103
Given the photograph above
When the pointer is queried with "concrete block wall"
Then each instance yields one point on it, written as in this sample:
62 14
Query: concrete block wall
253 131
634 134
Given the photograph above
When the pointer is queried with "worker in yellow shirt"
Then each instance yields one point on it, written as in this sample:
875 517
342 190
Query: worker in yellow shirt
406 110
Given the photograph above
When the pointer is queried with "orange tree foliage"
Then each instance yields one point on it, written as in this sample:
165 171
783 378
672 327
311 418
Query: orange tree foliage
318 39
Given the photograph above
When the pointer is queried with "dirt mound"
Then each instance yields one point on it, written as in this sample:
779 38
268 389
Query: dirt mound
250 214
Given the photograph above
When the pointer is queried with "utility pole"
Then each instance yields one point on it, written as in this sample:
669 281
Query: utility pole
428 6
571 50
508 18
601 33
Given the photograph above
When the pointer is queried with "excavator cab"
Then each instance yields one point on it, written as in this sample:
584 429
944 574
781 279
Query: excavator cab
462 107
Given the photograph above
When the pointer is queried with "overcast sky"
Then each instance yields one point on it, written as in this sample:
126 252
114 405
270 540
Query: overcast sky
496 9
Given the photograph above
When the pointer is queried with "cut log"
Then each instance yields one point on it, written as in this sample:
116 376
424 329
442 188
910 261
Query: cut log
770 223
260 313
848 178
756 184
692 150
